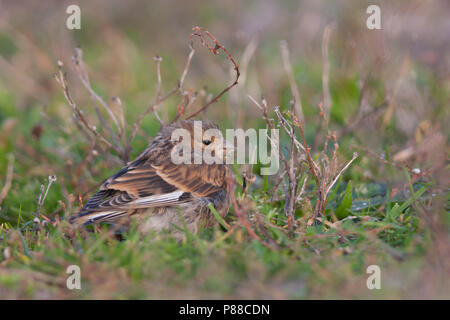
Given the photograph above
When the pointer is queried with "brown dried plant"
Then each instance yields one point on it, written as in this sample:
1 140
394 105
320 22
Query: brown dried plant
113 132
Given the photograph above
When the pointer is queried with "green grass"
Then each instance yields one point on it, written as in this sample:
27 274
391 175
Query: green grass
315 262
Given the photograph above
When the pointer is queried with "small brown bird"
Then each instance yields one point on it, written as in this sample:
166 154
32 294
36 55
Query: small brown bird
159 192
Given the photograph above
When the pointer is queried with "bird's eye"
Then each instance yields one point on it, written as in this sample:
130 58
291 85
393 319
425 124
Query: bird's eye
207 142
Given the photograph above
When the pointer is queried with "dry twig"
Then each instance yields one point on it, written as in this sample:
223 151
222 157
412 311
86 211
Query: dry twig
198 31
78 115
8 179
290 73
326 69
240 215
42 195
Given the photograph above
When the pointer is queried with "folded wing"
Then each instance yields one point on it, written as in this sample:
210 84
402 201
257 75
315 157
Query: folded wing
147 183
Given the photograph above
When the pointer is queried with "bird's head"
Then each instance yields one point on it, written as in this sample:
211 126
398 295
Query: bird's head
196 139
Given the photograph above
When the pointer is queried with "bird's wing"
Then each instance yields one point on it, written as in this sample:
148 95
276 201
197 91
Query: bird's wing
200 180
146 183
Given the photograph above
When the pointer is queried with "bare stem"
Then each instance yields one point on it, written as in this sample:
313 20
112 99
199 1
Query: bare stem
8 180
294 88
198 31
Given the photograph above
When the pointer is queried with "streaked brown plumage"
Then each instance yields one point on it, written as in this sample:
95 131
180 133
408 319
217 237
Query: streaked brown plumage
160 193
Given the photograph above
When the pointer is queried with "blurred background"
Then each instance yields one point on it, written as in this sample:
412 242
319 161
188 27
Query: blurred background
405 65
389 89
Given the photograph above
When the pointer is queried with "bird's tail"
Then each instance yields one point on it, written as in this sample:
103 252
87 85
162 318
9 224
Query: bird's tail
91 217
